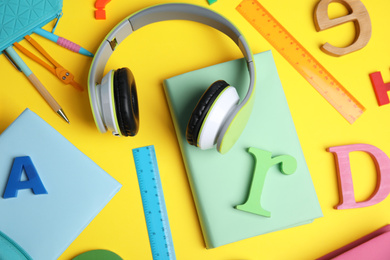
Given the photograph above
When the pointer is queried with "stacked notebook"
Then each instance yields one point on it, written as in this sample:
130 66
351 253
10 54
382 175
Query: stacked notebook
220 182
372 246
44 225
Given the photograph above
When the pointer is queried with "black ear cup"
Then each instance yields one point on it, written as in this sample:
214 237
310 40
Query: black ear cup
126 102
200 111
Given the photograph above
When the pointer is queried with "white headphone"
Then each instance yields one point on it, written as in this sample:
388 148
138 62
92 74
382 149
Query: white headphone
218 118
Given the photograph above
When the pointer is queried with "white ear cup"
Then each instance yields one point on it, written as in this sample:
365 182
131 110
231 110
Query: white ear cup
216 116
107 104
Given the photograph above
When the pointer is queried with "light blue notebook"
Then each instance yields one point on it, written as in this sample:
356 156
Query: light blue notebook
78 189
220 182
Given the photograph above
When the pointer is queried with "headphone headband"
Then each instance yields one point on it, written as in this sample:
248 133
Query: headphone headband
162 13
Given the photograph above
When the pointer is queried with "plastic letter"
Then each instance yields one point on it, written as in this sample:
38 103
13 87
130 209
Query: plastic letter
380 88
382 163
264 161
14 181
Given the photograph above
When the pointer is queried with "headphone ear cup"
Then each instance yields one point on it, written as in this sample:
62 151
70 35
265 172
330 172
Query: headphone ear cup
126 102
106 104
209 114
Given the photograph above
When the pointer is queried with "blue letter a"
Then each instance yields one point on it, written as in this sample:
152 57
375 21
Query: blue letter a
14 181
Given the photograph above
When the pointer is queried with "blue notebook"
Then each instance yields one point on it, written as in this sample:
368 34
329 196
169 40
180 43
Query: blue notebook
77 189
220 182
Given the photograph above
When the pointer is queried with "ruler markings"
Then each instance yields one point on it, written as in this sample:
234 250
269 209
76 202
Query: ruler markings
153 202
301 59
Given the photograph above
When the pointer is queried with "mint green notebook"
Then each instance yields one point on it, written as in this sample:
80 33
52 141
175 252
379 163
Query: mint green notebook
220 182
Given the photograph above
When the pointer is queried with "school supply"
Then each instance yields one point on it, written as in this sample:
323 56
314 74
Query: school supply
218 118
211 1
11 250
344 175
18 62
98 254
62 42
100 13
23 165
153 203
357 13
301 59
264 160
62 74
21 18
77 189
219 183
372 246
380 88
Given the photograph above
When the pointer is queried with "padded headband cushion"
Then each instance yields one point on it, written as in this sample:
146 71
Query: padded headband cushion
126 102
201 109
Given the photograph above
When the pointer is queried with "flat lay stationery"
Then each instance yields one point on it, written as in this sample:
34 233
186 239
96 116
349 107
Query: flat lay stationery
157 129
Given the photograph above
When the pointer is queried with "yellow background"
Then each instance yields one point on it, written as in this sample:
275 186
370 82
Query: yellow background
167 49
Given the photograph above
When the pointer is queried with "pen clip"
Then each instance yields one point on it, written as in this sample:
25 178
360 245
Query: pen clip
11 60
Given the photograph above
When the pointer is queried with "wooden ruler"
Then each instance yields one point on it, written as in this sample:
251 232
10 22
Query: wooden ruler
153 202
301 59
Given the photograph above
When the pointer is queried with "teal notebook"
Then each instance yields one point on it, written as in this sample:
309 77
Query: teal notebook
44 225
220 182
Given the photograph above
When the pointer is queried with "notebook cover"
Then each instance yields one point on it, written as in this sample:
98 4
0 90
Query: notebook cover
10 250
371 246
376 248
220 182
78 189
19 18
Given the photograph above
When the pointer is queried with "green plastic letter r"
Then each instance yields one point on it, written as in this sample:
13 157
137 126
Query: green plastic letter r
264 161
